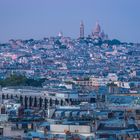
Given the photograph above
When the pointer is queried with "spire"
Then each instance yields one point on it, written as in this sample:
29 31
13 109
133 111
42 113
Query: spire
81 23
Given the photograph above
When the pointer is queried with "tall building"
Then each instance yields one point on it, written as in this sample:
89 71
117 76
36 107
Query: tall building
81 29
97 30
98 33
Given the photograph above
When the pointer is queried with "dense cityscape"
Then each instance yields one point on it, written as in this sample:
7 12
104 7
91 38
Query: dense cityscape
60 88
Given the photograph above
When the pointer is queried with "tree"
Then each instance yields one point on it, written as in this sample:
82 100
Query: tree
20 80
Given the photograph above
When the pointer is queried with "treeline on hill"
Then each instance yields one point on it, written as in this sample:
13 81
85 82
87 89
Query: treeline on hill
100 41
19 80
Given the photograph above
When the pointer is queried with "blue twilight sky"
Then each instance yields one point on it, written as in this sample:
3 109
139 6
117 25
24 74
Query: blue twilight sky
25 19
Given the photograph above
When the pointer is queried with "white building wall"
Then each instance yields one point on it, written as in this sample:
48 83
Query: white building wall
72 128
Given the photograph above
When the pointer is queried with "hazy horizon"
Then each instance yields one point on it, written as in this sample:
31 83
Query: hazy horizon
38 19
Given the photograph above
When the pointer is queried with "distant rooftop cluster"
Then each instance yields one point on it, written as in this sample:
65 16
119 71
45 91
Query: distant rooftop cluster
60 88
